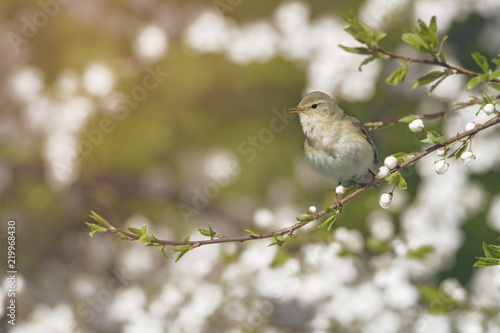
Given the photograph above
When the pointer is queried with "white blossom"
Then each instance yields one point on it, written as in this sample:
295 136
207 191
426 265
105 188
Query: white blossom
467 158
489 109
470 126
312 209
417 125
340 189
441 167
441 152
385 200
391 162
383 172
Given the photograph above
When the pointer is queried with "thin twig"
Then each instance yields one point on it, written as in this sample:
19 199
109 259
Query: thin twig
435 61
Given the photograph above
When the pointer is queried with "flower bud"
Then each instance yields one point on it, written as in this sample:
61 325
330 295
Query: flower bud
489 108
312 209
417 125
385 200
391 162
441 152
467 158
470 126
383 172
340 190
441 167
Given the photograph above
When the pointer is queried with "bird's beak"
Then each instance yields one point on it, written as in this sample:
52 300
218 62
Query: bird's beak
296 109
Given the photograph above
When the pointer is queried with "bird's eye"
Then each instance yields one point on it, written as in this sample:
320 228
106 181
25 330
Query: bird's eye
314 106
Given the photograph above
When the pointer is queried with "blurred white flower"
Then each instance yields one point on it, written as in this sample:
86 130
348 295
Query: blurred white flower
98 79
454 289
151 43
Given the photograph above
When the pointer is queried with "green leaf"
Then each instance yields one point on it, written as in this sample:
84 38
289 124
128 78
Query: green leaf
491 251
442 58
433 137
361 32
378 35
144 238
486 97
180 255
398 180
476 80
496 61
398 76
415 40
208 233
305 218
441 55
163 252
135 231
494 85
403 157
329 221
367 61
328 209
356 50
459 151
421 252
495 74
427 78
251 232
277 240
434 86
481 61
486 262
122 236
408 119
102 222
95 228
182 249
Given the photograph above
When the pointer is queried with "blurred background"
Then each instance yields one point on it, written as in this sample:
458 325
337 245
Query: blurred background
173 114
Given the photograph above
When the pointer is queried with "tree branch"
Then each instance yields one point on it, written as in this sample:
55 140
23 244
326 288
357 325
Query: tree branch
435 61
288 231
456 107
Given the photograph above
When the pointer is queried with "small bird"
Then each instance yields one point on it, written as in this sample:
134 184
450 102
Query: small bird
336 145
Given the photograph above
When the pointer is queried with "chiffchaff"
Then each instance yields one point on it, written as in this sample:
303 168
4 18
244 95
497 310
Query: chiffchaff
336 145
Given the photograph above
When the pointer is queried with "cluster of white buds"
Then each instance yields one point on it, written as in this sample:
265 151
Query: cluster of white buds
390 163
385 200
417 125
